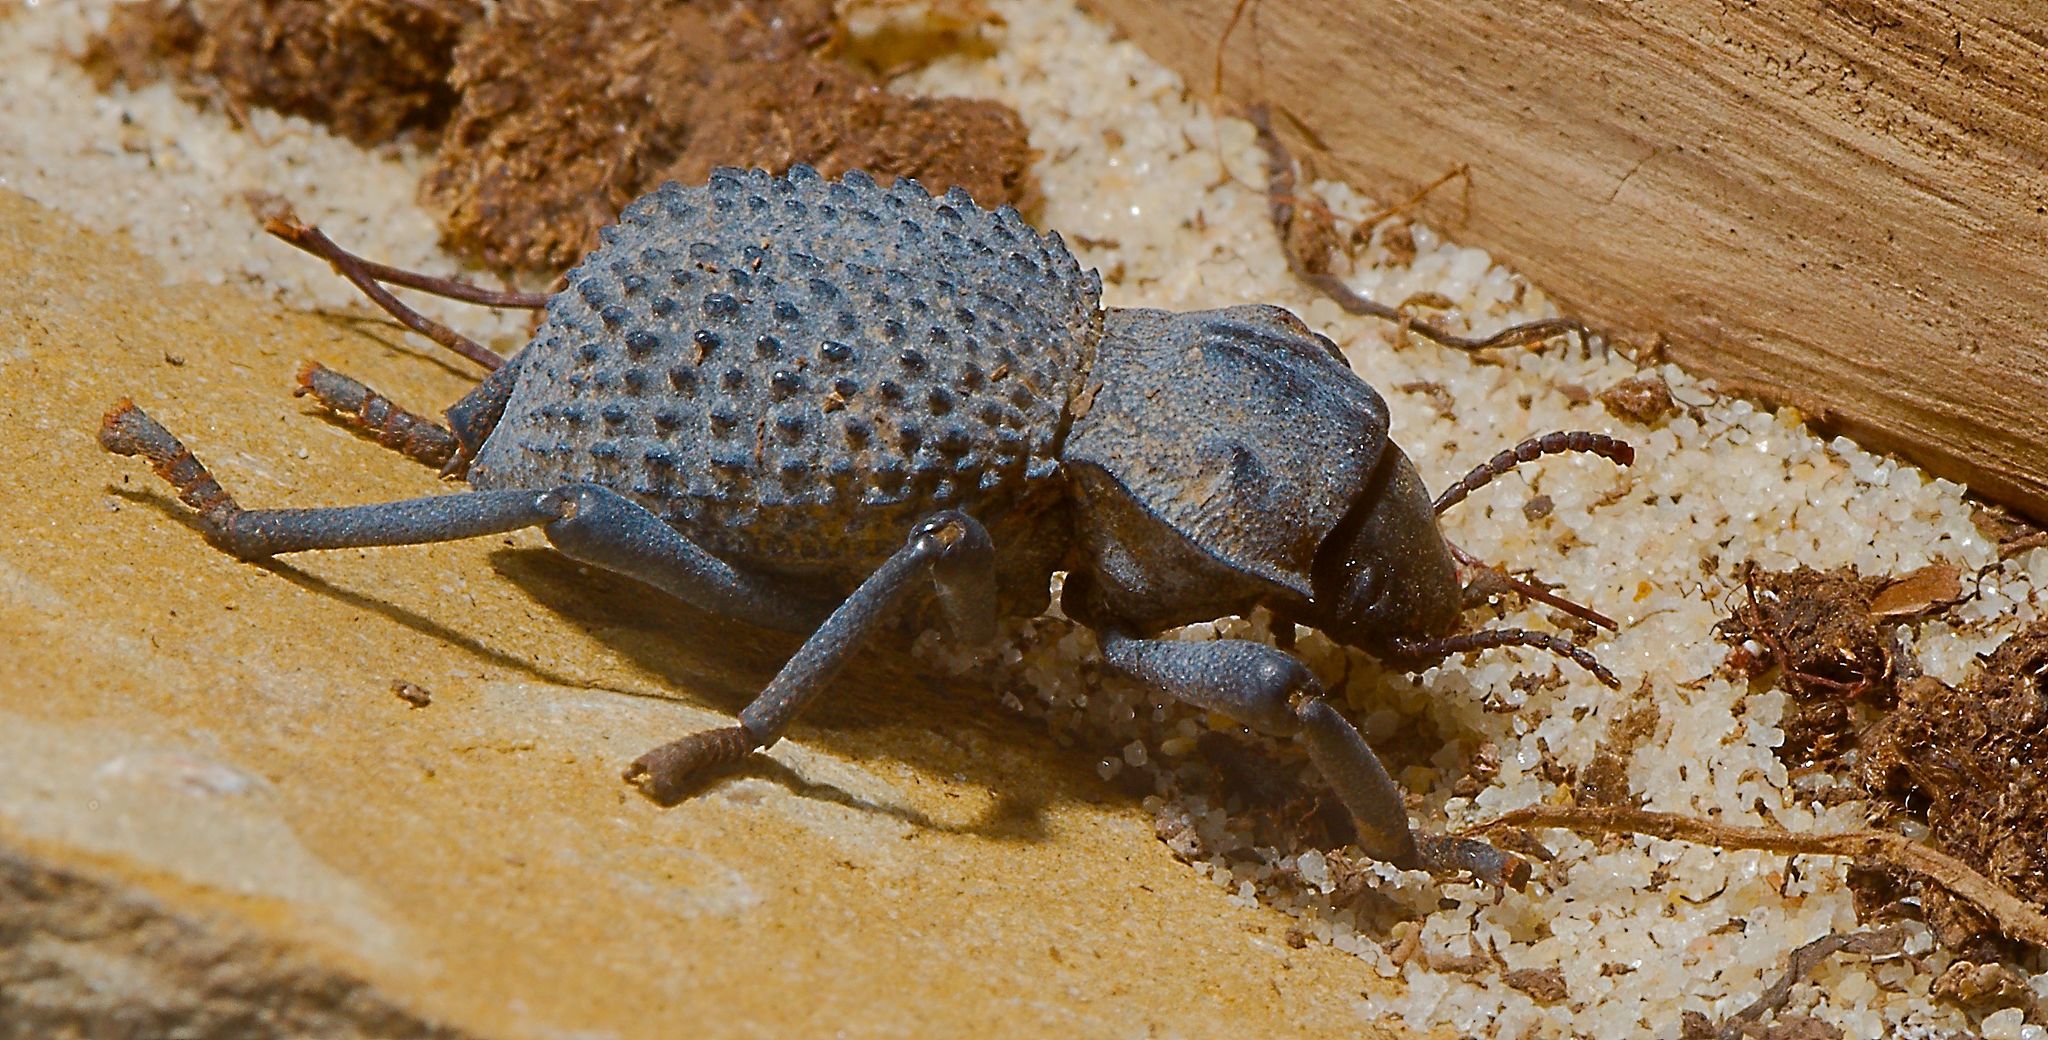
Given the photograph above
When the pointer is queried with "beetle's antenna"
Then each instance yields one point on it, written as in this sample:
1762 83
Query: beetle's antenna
1525 589
1488 638
1613 448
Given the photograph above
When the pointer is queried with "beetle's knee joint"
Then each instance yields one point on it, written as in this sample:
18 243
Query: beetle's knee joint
952 535
1278 686
574 501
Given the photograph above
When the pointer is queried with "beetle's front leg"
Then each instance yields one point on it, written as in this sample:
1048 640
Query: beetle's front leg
1272 691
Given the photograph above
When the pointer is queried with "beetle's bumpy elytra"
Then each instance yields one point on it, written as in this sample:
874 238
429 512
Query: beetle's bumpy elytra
818 406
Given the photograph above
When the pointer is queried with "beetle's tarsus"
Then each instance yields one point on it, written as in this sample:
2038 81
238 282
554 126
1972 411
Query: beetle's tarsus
414 436
1447 855
284 225
128 430
666 773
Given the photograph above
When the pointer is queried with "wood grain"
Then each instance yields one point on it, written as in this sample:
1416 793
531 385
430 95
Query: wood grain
1841 206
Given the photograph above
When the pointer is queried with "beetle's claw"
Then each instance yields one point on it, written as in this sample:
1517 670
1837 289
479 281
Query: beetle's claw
1489 865
665 773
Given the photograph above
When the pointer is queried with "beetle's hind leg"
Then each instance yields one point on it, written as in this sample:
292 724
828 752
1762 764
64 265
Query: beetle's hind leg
369 276
1272 691
950 548
255 534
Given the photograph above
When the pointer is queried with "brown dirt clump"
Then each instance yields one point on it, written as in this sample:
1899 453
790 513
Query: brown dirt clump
1816 628
554 114
1604 781
774 114
1975 760
569 112
565 109
1643 399
370 69
144 42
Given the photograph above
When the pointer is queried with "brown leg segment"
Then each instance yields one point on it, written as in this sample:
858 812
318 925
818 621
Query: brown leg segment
286 227
284 224
413 436
126 430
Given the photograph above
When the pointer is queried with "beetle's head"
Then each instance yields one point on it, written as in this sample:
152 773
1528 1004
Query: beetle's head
1221 460
1386 579
1385 572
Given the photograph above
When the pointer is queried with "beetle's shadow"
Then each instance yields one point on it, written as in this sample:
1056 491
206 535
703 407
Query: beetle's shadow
390 337
366 601
721 664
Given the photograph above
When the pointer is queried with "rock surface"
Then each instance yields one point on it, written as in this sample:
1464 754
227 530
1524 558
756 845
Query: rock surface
217 819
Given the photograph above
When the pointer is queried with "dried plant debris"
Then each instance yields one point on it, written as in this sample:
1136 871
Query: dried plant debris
2011 532
1760 1018
370 69
553 114
1975 761
1544 985
1827 636
1918 594
1984 985
411 693
2016 917
1816 629
1310 242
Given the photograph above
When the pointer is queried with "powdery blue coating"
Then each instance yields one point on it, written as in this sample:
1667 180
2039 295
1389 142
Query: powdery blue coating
793 371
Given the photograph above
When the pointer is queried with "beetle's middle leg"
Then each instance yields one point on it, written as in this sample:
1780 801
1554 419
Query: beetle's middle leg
950 548
1272 691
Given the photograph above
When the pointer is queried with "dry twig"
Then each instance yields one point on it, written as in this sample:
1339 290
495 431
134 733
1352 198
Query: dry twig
2014 916
1282 201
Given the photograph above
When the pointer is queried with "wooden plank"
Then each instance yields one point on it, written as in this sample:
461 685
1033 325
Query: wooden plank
1836 204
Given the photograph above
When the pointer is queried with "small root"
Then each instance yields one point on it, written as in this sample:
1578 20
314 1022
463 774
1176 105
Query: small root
1881 942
